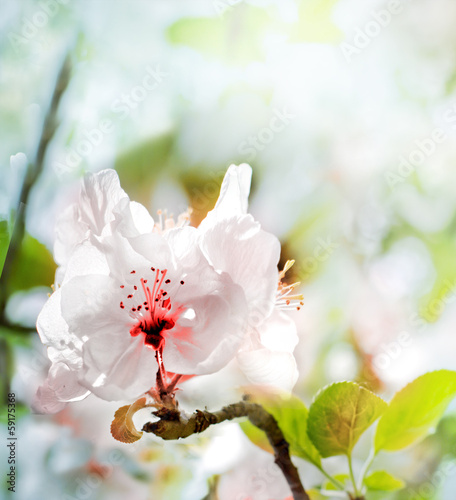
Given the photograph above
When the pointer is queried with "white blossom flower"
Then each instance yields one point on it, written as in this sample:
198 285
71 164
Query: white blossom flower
234 243
133 292
130 295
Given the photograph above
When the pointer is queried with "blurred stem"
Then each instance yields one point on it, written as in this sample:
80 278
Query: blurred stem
174 425
365 469
32 174
334 481
352 476
213 483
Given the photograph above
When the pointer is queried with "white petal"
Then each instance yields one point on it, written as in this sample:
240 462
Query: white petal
51 327
265 367
69 232
45 401
85 259
115 365
208 341
278 332
92 214
118 366
132 219
91 302
185 248
234 195
154 249
65 351
138 254
239 247
100 194
61 386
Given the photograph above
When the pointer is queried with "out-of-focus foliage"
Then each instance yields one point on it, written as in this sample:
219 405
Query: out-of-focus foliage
383 481
236 39
4 241
32 267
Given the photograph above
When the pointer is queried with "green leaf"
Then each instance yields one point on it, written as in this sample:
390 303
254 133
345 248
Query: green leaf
33 266
342 478
314 494
339 415
383 481
415 410
446 435
122 428
291 415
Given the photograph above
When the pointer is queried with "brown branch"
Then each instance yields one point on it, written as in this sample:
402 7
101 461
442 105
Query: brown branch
34 170
175 425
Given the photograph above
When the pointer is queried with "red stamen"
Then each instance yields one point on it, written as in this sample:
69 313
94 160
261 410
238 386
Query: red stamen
153 316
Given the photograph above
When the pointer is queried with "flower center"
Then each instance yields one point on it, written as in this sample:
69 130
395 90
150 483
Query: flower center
166 221
154 314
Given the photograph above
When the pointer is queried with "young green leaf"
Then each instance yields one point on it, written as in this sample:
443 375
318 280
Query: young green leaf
415 410
122 428
291 415
383 481
342 478
339 415
314 494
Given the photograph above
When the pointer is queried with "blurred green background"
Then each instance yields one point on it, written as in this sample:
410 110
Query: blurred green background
346 111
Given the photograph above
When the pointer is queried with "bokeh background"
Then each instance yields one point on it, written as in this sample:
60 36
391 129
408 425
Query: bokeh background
346 111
